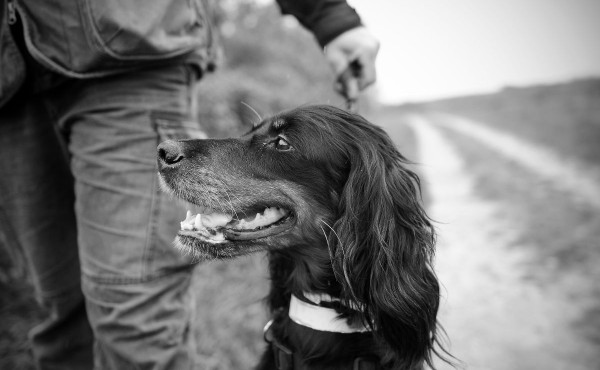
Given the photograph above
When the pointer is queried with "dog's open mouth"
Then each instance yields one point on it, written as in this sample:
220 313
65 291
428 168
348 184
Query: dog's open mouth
215 227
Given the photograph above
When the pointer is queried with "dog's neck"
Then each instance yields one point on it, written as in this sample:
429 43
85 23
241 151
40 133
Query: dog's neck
315 316
316 303
293 322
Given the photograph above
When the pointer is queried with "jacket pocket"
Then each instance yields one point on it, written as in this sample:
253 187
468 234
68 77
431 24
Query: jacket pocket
138 29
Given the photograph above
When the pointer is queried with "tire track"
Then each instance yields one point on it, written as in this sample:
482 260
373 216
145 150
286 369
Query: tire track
581 181
495 317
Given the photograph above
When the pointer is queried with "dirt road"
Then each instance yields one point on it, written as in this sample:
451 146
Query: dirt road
495 316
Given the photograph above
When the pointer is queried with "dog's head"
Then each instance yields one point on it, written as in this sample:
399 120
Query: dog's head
318 177
275 187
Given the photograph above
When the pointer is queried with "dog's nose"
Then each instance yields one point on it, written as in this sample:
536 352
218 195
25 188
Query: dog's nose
170 152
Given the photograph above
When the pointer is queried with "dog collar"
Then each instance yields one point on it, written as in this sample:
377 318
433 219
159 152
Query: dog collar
321 318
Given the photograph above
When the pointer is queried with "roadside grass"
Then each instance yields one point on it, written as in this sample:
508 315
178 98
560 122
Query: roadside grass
564 117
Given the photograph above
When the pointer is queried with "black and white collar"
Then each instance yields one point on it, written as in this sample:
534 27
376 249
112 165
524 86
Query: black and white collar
321 318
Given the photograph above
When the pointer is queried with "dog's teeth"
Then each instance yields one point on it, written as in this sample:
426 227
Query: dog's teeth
187 223
261 220
210 220
215 219
198 222
186 226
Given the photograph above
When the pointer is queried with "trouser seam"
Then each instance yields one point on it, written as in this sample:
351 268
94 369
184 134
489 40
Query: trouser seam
153 216
132 280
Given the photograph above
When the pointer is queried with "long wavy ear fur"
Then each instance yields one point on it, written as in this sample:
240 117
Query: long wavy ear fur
384 246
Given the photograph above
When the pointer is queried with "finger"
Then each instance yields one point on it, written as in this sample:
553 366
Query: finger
338 62
349 81
351 88
367 75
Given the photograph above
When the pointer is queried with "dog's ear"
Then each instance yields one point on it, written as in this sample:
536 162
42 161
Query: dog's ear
384 247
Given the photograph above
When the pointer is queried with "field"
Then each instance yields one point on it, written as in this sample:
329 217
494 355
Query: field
520 274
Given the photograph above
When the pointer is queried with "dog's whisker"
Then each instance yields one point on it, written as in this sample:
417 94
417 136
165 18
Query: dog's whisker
238 198
220 203
327 242
231 203
254 111
344 262
331 228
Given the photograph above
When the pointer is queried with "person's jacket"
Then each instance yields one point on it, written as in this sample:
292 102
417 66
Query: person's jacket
94 38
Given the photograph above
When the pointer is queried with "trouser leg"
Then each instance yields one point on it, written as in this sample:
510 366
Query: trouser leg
36 201
137 286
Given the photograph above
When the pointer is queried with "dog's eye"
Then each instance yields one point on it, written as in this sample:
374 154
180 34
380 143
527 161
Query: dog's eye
282 145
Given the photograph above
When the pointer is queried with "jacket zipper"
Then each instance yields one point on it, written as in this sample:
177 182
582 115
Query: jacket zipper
12 13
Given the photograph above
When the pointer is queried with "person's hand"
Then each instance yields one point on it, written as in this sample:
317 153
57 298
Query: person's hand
352 57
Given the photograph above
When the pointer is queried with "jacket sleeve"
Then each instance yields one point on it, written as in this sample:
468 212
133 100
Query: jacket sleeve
326 19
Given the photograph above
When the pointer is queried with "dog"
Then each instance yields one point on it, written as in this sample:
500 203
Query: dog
350 247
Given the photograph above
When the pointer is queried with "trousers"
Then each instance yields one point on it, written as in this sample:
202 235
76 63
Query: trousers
79 195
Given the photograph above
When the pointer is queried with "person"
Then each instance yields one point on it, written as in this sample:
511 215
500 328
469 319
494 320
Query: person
87 91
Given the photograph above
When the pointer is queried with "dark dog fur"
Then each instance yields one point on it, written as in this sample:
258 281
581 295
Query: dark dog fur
355 229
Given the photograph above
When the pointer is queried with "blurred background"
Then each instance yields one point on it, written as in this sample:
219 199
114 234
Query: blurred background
498 105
